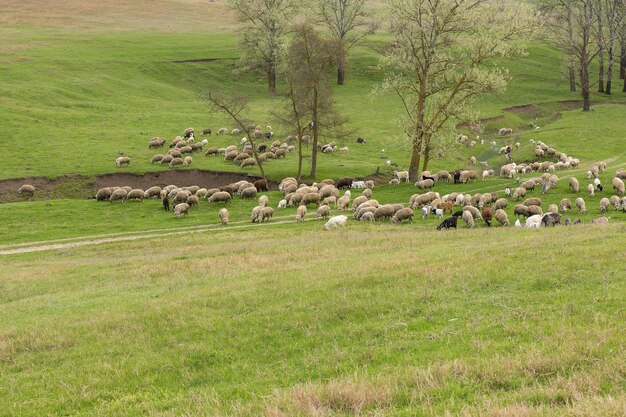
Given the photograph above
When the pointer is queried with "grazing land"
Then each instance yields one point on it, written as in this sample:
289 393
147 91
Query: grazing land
123 309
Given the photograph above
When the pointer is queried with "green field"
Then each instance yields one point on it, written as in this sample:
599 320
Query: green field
283 319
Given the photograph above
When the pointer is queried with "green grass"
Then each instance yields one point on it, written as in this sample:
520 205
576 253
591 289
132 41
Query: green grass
286 320
470 321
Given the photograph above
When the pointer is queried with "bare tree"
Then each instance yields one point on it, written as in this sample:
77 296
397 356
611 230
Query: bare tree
577 39
348 23
601 46
234 106
615 13
309 59
265 27
438 63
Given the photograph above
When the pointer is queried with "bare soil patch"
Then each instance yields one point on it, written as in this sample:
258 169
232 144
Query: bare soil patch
528 109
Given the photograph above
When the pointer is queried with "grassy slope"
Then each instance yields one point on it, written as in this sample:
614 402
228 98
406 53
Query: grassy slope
78 97
210 327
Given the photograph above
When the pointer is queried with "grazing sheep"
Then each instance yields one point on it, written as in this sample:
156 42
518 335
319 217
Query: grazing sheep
532 210
369 184
266 214
323 212
249 162
256 212
166 159
604 204
395 181
310 198
520 209
27 189
119 194
425 212
249 192
519 193
505 131
501 203
384 212
343 202
192 200
344 183
591 190
136 194
425 184
473 160
263 201
103 194
448 223
300 213
367 217
474 211
367 193
553 208
361 184
551 219
618 185
402 214
212 151
621 174
176 162
502 217
358 201
580 203
487 216
187 161
468 218
574 185
615 201
401 175
534 221
220 196
330 200
181 209
532 202
600 221
223 214
156 143
122 160
282 204
335 221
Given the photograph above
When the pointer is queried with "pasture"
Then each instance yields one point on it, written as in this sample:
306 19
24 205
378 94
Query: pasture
137 312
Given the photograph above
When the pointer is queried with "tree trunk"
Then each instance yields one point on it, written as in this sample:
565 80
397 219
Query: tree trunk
570 54
600 49
315 138
341 75
271 78
299 177
426 157
622 63
414 170
584 57
572 77
609 68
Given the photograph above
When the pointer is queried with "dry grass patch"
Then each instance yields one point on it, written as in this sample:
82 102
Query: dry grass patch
119 15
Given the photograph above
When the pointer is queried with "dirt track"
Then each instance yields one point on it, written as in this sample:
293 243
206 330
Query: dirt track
127 236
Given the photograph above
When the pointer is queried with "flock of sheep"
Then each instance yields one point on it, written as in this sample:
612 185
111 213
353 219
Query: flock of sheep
182 147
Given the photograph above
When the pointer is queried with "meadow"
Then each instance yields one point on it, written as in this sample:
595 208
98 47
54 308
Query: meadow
283 319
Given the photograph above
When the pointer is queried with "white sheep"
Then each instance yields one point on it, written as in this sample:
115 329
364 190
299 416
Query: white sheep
344 149
401 175
358 184
591 190
223 213
335 221
439 213
263 200
534 221
425 212
282 204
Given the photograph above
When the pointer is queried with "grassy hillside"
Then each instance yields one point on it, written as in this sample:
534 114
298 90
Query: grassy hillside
487 322
75 91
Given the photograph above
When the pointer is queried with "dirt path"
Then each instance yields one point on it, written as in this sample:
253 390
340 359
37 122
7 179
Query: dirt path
130 236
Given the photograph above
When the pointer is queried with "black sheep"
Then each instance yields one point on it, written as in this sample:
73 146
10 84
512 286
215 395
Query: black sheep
360 140
457 177
426 177
166 203
448 223
262 148
344 182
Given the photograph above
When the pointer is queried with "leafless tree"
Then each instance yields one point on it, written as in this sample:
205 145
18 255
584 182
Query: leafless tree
265 25
348 23
234 106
